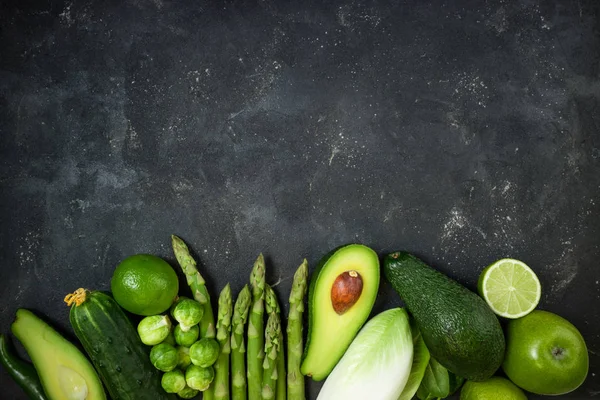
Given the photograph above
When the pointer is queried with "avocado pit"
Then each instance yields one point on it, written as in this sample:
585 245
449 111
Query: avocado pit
346 291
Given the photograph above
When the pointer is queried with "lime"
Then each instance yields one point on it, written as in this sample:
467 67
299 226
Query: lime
144 284
495 388
510 287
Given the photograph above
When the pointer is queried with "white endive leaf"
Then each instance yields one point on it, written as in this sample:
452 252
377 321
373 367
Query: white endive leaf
377 364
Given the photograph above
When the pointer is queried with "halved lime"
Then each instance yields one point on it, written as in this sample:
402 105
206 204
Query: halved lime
510 287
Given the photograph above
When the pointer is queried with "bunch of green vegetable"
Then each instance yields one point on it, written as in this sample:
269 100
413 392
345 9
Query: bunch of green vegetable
256 362
451 335
177 349
181 351
184 346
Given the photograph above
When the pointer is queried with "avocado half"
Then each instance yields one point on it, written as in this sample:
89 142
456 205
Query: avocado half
64 371
341 295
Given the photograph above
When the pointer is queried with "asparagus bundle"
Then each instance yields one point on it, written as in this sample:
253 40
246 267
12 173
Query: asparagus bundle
256 339
295 379
272 345
221 384
272 306
238 348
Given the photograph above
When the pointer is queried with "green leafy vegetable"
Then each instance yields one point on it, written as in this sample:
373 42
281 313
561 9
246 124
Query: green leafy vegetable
164 357
186 338
377 363
173 381
436 383
188 313
188 393
204 352
154 329
199 378
419 365
455 382
183 357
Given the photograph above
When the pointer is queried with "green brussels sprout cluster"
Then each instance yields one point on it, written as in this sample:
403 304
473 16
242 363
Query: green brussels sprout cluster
178 350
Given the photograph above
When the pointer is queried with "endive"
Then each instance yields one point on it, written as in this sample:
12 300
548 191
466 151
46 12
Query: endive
377 364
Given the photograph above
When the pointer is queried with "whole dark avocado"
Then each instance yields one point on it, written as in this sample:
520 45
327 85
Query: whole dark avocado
460 330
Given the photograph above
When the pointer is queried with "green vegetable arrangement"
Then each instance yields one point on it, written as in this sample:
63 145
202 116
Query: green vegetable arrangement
240 357
183 344
250 352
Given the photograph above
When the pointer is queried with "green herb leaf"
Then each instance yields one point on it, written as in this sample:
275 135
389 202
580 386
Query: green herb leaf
419 365
436 382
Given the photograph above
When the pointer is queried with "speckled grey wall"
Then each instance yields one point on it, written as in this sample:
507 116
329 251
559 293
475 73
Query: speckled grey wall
464 133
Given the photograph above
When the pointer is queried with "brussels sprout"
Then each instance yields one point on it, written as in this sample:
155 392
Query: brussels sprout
175 303
188 313
173 381
199 378
183 354
186 338
187 393
164 357
204 352
154 329
170 339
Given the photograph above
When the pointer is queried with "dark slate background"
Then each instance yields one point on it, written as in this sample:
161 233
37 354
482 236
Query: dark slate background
462 132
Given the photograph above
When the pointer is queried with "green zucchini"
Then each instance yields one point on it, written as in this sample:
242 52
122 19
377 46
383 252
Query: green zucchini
114 347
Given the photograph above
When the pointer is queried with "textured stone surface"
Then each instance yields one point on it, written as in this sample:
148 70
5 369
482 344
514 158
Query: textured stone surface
462 133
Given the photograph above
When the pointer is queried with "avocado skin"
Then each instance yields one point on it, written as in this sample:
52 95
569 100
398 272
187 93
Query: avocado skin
460 330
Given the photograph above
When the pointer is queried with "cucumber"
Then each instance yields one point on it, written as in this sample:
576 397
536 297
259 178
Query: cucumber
113 345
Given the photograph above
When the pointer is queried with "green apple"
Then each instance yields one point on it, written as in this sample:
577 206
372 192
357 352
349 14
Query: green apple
545 354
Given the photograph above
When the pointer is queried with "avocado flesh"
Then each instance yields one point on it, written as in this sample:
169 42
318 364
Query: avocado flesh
461 332
330 334
64 371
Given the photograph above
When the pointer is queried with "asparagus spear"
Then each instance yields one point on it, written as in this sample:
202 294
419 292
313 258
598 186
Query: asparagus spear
223 336
281 375
256 332
238 362
272 306
271 303
272 344
295 380
197 284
